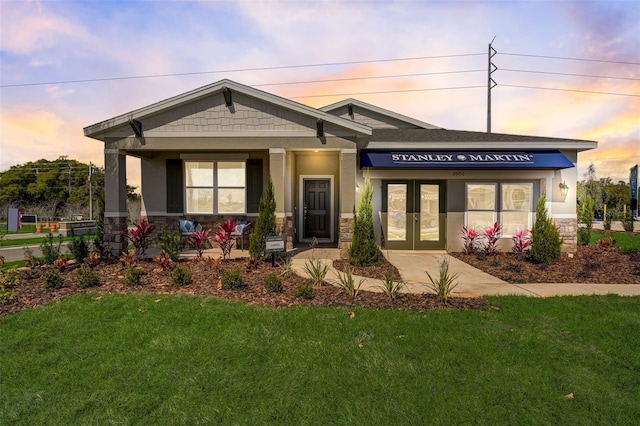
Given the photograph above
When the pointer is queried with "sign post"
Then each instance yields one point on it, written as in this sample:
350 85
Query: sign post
274 244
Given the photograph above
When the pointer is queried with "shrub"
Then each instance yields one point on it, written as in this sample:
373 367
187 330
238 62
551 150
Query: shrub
170 243
391 287
470 240
585 218
347 283
627 221
50 250
446 282
9 279
164 261
86 278
52 280
231 279
273 283
316 270
180 276
132 276
140 237
491 234
78 247
128 258
264 225
545 237
223 237
287 270
198 240
521 242
304 291
364 250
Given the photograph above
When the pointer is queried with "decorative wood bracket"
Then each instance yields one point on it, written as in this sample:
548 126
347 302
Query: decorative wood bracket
136 126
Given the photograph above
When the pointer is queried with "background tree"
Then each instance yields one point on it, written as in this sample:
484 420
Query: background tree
364 250
265 223
585 217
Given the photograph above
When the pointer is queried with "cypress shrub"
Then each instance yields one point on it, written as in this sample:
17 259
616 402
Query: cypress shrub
364 250
265 223
545 236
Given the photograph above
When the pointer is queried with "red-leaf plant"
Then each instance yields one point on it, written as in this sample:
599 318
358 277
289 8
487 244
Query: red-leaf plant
197 240
521 242
223 237
470 238
492 233
140 237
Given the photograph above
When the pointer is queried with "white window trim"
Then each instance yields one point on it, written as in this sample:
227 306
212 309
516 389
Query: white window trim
215 186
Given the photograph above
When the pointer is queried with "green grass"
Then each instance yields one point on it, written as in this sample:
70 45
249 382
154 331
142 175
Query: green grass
191 360
625 241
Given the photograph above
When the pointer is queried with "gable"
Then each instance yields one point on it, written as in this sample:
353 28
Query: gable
373 116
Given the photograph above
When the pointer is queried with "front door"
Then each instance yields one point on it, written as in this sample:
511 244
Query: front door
413 215
317 209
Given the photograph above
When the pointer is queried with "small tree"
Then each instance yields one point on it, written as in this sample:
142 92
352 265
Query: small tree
545 237
585 217
265 223
364 250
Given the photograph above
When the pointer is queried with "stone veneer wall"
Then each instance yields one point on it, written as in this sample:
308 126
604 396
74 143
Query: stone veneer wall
114 240
285 226
345 236
569 234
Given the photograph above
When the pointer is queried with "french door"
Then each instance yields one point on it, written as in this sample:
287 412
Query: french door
413 214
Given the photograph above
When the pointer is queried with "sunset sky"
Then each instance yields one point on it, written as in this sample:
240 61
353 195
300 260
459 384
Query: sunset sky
428 58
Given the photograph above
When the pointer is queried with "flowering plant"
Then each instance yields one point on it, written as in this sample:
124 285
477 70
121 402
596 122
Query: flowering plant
521 242
197 240
492 233
223 237
470 238
140 236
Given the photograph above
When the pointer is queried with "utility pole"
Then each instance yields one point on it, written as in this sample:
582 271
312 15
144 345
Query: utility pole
491 68
90 195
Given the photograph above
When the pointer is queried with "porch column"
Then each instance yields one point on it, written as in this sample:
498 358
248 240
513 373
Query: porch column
278 174
115 200
348 168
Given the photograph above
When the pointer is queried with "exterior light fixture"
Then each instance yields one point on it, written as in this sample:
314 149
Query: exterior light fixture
564 189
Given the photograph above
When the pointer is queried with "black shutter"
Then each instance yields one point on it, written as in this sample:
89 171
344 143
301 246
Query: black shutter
254 184
175 199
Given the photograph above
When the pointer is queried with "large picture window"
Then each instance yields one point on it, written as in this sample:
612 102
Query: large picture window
215 187
511 206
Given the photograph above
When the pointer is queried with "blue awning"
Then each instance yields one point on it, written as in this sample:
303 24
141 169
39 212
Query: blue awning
464 159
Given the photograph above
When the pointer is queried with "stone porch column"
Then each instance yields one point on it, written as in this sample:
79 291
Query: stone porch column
348 169
115 200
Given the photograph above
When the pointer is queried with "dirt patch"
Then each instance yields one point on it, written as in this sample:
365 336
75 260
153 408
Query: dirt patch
589 265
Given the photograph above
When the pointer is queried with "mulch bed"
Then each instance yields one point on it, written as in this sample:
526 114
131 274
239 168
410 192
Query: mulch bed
205 279
589 265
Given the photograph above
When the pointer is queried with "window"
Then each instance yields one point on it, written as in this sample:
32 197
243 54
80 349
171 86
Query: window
511 206
481 205
215 187
516 207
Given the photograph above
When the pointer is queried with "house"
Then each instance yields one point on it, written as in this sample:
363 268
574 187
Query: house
207 155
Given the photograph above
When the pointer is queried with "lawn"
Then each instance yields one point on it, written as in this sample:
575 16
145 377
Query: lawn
625 241
116 359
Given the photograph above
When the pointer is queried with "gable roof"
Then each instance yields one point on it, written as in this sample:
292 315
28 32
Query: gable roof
96 130
447 139
378 110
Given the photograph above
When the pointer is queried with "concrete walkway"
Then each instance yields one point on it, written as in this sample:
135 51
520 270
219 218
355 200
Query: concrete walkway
472 282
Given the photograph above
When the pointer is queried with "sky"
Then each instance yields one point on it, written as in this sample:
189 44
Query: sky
425 59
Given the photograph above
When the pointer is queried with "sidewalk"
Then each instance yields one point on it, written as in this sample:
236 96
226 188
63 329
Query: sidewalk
471 281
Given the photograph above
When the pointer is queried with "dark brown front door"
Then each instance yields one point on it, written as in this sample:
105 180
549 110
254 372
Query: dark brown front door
317 208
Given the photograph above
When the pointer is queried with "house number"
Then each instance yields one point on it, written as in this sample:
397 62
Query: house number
458 173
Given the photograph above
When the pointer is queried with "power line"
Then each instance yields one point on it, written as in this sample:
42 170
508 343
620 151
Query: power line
571 74
366 78
569 59
570 90
386 92
328 64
